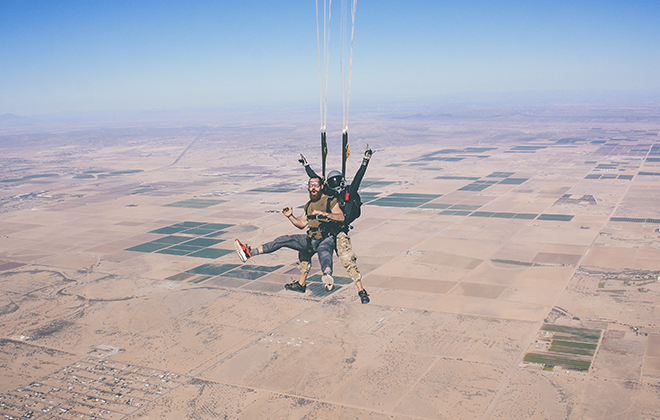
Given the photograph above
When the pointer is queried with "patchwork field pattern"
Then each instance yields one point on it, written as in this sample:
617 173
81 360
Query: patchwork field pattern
192 239
511 258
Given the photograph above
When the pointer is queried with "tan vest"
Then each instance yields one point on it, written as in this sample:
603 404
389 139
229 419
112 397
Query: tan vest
320 226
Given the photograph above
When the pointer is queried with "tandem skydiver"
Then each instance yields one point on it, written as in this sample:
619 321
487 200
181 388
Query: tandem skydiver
349 202
321 214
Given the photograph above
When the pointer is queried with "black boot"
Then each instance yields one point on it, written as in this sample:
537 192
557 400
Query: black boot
295 287
364 297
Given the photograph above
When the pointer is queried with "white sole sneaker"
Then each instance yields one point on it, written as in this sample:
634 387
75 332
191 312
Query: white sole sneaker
239 251
328 281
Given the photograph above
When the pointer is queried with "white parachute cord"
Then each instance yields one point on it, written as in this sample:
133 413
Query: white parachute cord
323 71
346 86
342 54
326 32
318 48
350 63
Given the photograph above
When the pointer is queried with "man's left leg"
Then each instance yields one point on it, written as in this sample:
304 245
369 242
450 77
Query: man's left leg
295 242
325 250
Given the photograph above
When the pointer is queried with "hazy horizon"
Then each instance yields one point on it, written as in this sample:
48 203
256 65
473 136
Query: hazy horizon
81 57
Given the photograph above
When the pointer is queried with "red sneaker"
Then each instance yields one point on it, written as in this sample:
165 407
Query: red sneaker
243 251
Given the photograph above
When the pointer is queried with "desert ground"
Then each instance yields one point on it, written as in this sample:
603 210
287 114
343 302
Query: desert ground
512 259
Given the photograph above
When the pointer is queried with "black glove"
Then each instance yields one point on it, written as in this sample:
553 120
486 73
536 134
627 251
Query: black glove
302 160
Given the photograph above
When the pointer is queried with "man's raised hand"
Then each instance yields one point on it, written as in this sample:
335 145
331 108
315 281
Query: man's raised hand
302 160
367 153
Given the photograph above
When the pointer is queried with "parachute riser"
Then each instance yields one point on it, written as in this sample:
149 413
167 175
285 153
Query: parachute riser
344 152
324 152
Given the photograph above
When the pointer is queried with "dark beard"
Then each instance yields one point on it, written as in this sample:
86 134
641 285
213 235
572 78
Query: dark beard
315 196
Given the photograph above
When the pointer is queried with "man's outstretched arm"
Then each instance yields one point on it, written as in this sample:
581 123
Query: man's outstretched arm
355 183
308 169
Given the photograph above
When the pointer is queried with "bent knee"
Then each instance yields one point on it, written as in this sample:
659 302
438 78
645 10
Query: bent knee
347 258
304 267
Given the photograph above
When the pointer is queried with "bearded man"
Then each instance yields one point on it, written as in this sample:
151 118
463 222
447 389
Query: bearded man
321 215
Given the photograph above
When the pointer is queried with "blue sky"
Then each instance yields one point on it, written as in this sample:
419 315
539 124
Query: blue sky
139 55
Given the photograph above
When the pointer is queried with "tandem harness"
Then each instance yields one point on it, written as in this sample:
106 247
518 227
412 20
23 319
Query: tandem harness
325 228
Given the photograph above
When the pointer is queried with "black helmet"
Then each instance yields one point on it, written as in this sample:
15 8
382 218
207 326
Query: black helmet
335 181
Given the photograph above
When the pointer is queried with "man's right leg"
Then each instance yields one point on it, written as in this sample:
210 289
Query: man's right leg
304 265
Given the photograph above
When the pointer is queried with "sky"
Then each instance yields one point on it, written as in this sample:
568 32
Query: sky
87 55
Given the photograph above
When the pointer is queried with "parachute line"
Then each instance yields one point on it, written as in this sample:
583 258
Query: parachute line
346 79
325 61
323 73
318 47
345 58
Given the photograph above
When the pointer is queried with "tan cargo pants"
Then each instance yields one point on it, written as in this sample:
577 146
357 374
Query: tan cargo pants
347 256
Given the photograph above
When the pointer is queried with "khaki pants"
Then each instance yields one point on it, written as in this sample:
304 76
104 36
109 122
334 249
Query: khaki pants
347 256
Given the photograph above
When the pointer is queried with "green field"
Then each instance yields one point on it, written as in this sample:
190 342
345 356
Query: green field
575 334
211 253
404 200
196 242
212 269
557 217
571 347
455 213
477 186
436 206
251 272
511 262
556 360
272 190
195 203
28 177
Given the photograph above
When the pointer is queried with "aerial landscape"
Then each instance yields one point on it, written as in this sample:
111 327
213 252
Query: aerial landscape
524 286
509 242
